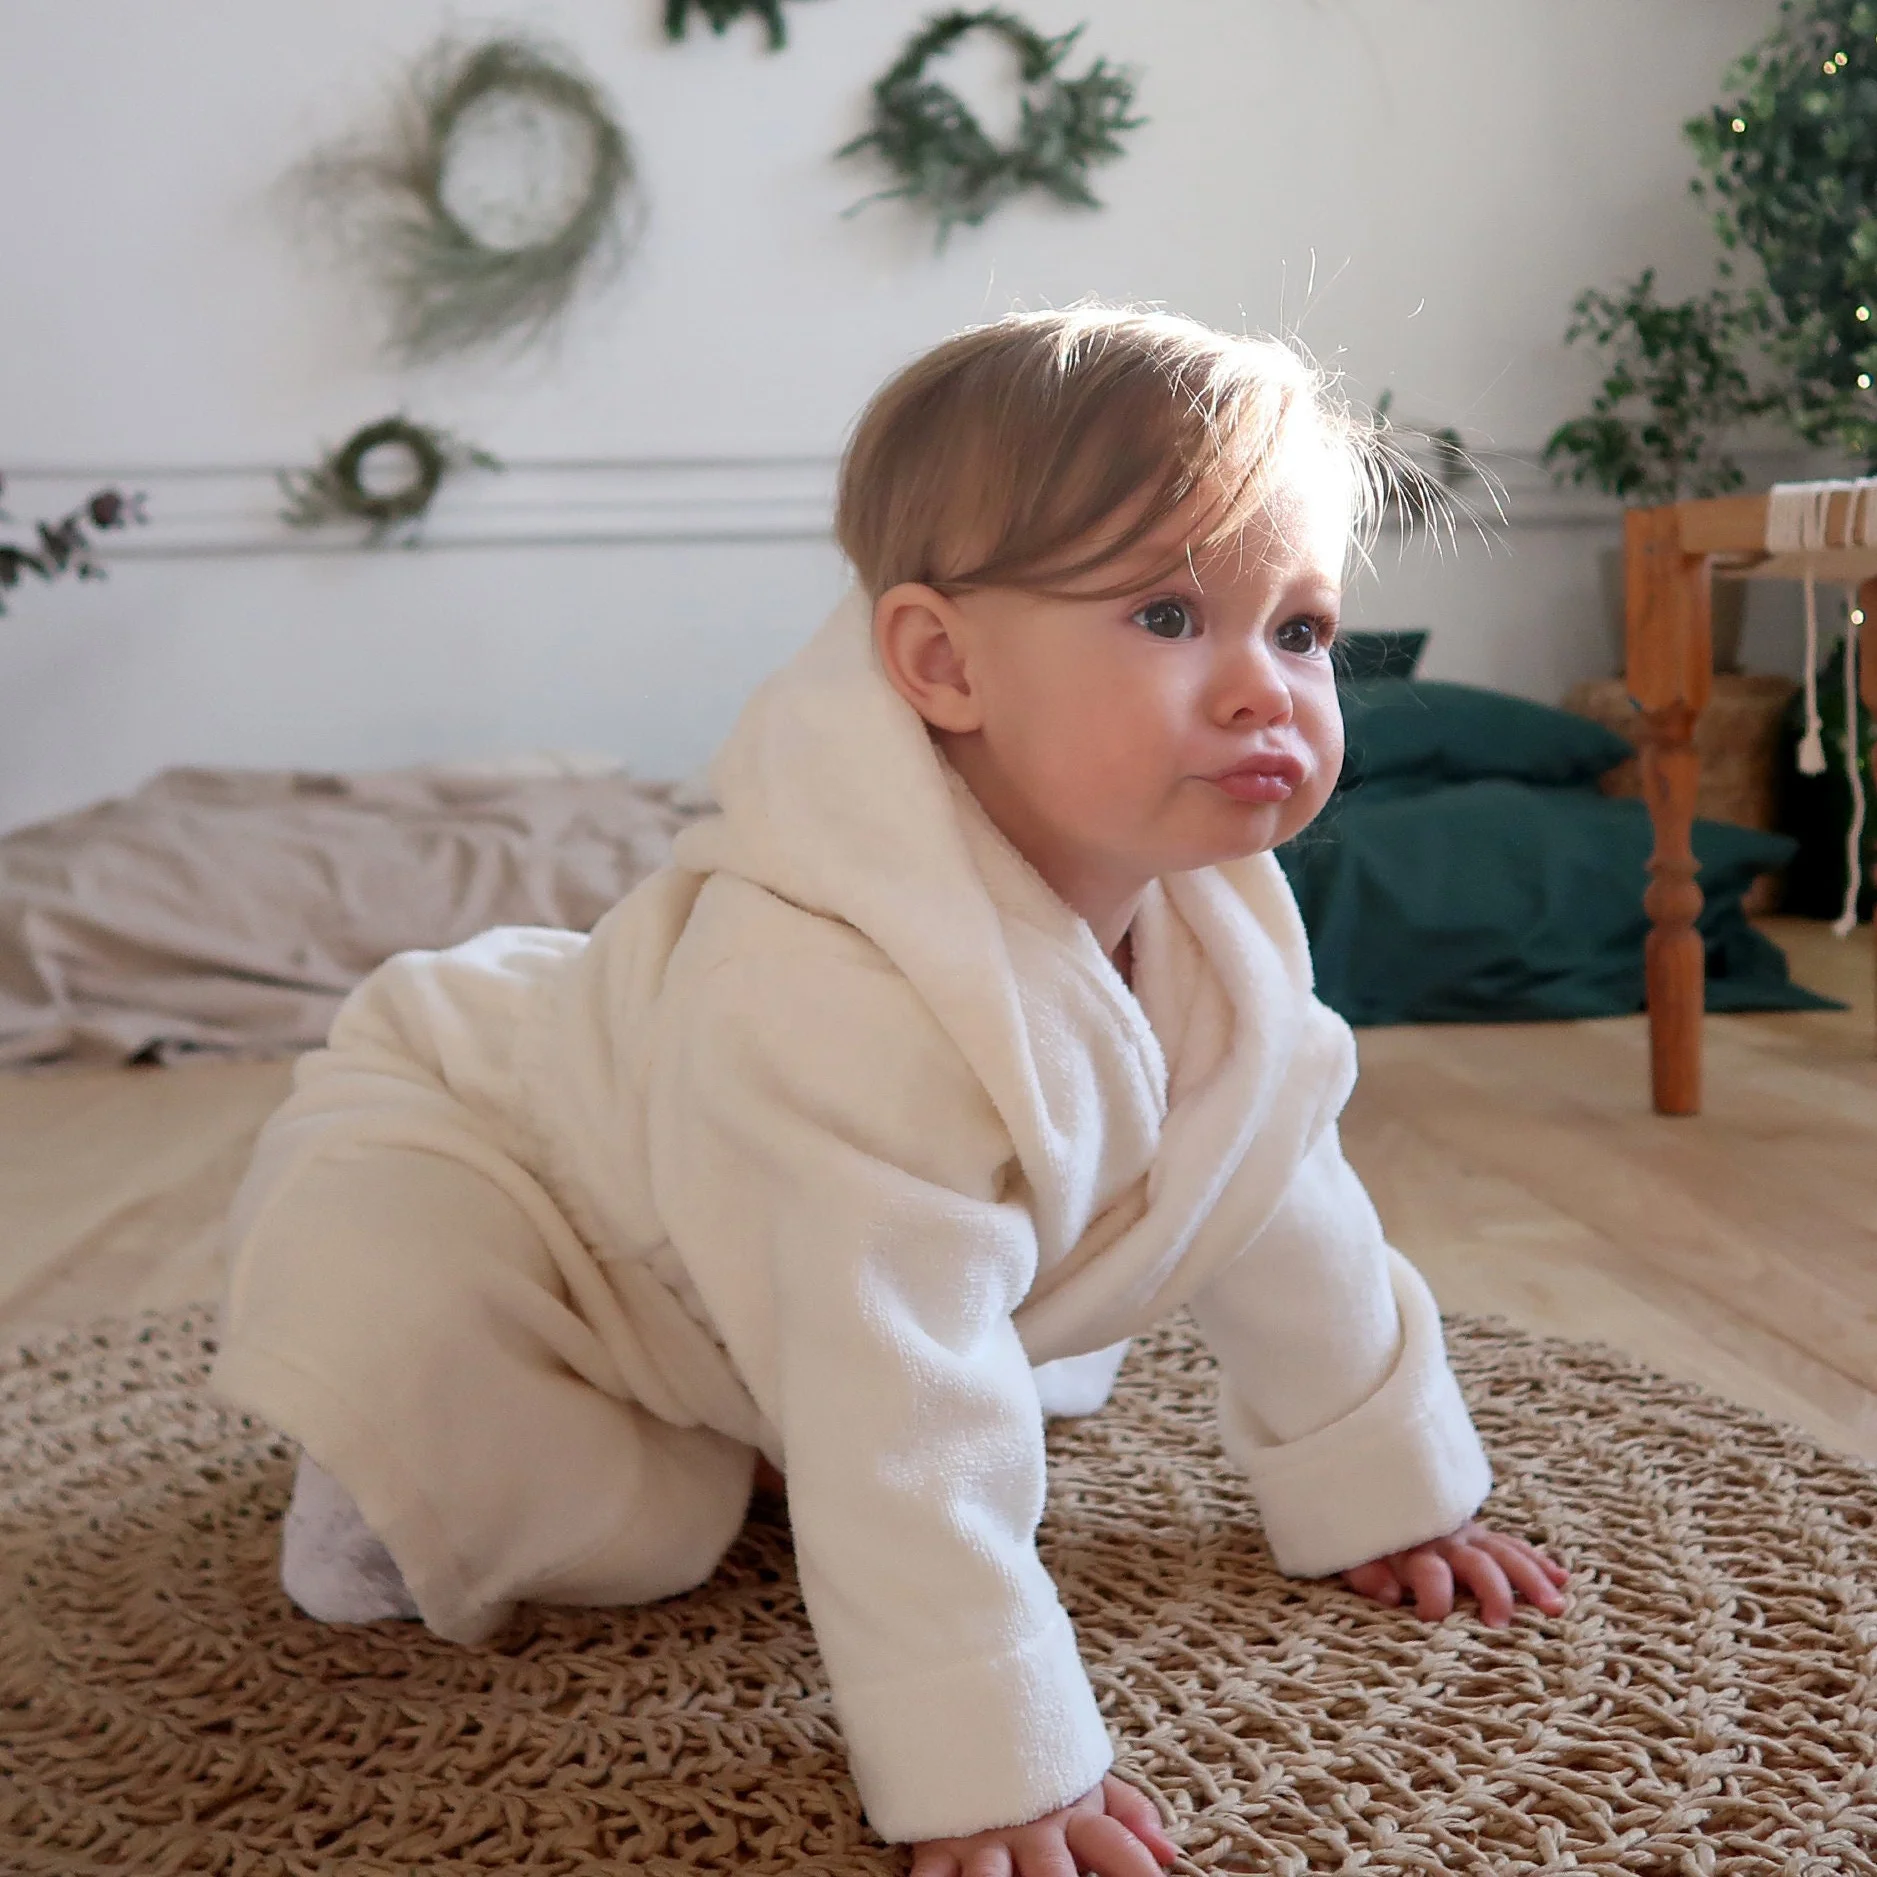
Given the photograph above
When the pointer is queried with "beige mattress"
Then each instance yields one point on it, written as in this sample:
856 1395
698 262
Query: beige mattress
113 1183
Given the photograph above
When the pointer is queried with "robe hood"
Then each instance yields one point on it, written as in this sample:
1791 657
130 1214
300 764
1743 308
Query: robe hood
834 797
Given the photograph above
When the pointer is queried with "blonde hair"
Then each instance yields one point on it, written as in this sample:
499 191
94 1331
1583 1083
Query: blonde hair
1038 450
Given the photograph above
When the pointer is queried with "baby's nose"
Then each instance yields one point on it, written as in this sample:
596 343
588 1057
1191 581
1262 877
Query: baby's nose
1251 687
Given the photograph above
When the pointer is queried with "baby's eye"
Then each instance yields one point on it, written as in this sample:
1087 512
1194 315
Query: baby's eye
1304 634
1167 619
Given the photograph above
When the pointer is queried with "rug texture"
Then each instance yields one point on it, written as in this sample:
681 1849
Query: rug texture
1707 1704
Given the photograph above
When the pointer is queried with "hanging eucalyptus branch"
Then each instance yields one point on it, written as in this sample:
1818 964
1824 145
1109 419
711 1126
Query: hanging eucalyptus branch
721 12
65 546
928 136
449 285
338 489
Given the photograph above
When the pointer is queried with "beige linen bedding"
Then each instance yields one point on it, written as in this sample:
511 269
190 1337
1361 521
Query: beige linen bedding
231 910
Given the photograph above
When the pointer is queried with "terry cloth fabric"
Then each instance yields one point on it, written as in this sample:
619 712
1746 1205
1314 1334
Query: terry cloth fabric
831 1134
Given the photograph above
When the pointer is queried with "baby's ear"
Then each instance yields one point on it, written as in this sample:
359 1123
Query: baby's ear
922 640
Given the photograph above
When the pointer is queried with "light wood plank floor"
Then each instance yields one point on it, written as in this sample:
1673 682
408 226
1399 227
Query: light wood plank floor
1521 1167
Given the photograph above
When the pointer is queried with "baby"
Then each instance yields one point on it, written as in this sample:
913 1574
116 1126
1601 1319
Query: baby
973 1036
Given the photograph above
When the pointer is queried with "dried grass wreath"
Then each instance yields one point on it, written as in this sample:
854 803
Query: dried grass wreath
453 281
338 489
945 160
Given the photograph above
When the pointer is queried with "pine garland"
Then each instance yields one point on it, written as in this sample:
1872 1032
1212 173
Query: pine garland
721 12
929 137
335 490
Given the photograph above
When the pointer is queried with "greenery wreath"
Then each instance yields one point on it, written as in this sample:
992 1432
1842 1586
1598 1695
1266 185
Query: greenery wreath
336 490
451 286
929 137
721 12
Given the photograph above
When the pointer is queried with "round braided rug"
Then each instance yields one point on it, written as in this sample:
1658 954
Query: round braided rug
1707 1704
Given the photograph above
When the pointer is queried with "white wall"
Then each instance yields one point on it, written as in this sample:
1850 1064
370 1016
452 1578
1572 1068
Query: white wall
1419 186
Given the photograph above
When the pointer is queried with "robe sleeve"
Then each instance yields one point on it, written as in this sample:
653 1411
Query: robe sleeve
1334 1391
815 1132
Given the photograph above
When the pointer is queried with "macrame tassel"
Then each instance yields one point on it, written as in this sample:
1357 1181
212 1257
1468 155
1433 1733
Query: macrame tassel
1846 922
1812 744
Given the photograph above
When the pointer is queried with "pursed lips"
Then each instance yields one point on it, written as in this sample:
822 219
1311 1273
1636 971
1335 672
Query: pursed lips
1270 778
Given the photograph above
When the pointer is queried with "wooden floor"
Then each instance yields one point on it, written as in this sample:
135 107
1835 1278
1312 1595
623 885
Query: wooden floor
1522 1169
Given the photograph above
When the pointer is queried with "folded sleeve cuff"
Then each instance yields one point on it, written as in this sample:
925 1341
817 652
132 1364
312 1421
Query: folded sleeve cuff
984 1745
1404 1467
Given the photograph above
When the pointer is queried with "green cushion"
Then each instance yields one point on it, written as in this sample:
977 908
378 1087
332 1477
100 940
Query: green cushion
1396 654
1419 732
1492 901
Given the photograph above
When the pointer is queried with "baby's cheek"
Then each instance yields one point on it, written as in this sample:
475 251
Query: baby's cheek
1305 805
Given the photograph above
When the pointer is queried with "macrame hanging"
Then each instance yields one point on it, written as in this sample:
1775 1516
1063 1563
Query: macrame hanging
1798 542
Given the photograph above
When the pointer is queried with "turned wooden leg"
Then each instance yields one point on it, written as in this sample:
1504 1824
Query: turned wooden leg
1675 962
1670 671
1867 677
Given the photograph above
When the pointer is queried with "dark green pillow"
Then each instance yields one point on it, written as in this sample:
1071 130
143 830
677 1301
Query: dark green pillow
1492 901
1421 732
1360 655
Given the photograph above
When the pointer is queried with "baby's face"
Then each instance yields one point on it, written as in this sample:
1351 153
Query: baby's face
1192 721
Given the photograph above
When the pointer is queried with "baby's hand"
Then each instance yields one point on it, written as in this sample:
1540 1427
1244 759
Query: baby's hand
1497 1569
1111 1832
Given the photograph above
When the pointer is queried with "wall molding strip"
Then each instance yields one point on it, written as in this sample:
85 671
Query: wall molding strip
206 511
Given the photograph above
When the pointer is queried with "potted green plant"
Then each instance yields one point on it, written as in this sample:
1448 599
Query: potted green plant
1675 394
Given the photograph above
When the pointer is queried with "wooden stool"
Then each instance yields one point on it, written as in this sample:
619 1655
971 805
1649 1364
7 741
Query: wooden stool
1670 553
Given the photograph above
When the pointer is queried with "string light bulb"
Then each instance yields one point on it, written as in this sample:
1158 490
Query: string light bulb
1863 381
1857 615
1740 124
1863 312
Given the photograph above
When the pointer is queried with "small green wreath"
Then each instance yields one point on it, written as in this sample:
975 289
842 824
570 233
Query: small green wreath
337 489
450 283
929 137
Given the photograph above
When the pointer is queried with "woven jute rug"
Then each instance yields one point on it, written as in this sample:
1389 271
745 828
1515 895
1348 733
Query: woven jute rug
1708 1704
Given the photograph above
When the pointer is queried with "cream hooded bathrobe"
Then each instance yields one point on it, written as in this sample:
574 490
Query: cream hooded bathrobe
829 1137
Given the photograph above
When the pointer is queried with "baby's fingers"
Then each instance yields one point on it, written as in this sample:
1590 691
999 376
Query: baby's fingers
1480 1572
1428 1576
1376 1581
1532 1575
1135 1810
1105 1847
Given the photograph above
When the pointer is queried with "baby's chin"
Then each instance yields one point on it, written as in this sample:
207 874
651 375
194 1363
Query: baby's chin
1222 850
1246 829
